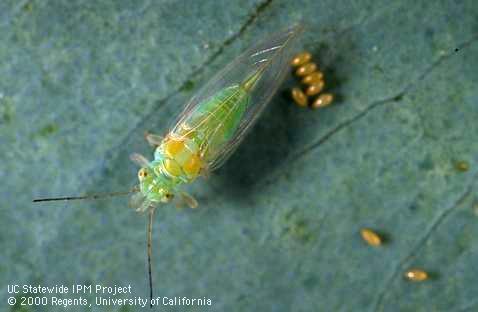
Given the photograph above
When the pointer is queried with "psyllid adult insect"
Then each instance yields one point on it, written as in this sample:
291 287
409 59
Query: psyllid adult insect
209 129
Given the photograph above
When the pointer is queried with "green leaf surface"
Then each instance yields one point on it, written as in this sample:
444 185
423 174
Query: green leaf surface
278 226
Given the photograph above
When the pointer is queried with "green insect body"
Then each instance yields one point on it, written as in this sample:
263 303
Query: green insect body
209 129
184 154
214 122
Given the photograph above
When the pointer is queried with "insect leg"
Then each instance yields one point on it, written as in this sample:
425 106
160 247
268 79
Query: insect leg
139 159
150 238
189 200
153 139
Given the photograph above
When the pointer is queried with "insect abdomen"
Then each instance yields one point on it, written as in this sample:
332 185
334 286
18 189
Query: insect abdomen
188 150
218 117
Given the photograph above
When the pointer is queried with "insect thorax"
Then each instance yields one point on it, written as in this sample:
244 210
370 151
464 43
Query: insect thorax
178 158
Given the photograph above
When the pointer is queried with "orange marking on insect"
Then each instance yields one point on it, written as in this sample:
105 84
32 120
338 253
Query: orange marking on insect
173 147
193 165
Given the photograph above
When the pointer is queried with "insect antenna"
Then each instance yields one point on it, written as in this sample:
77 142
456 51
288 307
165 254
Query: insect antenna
90 196
150 238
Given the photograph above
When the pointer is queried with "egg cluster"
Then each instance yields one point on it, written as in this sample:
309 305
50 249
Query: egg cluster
313 79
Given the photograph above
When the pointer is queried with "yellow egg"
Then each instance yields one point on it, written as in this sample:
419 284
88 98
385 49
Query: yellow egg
323 100
371 237
416 275
299 97
315 88
301 59
313 78
306 69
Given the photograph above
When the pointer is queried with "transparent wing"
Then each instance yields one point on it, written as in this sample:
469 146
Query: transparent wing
271 57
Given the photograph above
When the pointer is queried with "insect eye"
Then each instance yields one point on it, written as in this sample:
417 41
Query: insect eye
142 173
169 195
